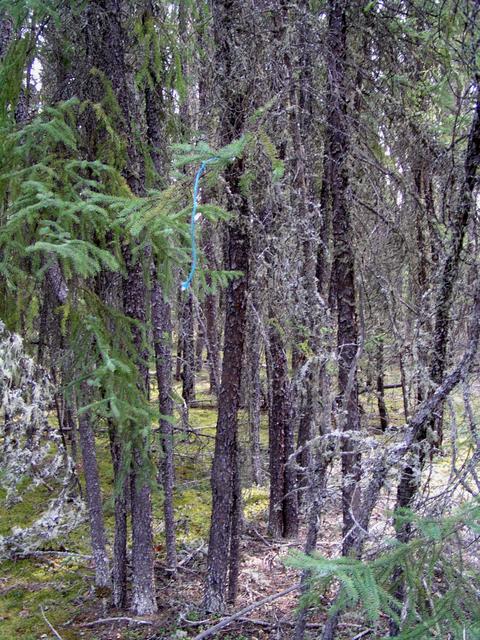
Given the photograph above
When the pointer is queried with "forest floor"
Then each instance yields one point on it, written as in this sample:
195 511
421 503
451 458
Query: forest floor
55 586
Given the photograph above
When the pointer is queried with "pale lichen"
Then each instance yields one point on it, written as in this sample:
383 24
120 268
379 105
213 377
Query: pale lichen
31 450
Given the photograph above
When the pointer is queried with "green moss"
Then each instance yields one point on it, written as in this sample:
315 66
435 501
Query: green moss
255 501
192 512
24 513
26 585
61 585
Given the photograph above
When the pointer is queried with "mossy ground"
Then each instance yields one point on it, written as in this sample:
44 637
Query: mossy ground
62 585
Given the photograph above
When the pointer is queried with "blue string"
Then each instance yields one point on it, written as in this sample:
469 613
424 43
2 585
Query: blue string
201 169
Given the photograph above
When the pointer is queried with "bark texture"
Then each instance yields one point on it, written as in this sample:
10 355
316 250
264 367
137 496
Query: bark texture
94 502
231 36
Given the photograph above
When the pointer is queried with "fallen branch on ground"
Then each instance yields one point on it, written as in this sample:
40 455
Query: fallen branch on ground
50 626
117 619
362 634
226 621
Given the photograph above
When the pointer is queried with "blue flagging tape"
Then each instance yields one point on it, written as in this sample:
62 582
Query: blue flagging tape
186 284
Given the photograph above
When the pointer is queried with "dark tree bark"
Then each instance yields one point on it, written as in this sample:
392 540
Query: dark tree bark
382 407
6 33
120 475
188 349
94 501
107 44
199 346
143 581
344 263
213 350
179 354
253 350
162 334
283 512
225 462
231 34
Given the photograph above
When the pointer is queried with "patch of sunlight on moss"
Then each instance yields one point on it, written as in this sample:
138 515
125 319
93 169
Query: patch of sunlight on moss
192 514
31 584
255 501
25 512
206 419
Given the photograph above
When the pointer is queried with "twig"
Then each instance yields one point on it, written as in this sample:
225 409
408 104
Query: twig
258 623
226 621
52 628
362 634
193 623
277 623
187 559
116 619
260 537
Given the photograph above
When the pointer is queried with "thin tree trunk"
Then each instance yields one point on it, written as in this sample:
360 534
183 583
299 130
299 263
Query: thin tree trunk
162 333
199 341
254 398
213 350
120 475
403 379
382 407
283 510
94 501
188 350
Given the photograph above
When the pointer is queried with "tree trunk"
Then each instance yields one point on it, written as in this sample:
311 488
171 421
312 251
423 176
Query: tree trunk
107 43
94 501
344 267
188 350
143 581
225 504
231 37
255 396
120 475
161 314
283 510
213 350
162 334
382 407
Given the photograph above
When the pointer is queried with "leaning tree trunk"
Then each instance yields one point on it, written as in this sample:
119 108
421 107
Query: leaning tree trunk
411 474
408 484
